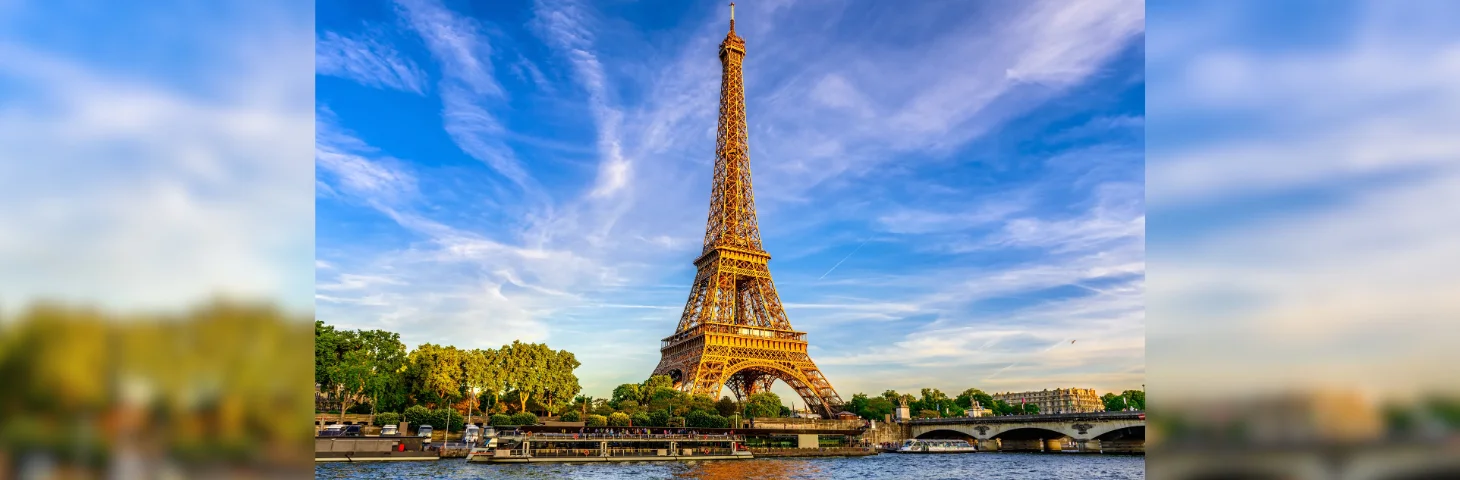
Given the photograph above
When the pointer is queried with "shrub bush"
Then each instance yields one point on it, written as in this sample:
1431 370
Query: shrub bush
596 420
697 419
524 418
571 416
640 419
386 418
676 422
418 415
439 419
500 420
359 409
706 419
618 419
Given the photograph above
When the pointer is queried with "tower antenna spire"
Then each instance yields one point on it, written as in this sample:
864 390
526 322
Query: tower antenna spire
733 331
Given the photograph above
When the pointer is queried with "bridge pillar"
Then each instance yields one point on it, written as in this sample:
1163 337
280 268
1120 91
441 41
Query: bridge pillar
1054 444
988 445
1088 446
1124 445
1030 445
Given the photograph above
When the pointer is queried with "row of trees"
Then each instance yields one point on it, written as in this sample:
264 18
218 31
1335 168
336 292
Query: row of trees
656 403
370 371
933 403
373 368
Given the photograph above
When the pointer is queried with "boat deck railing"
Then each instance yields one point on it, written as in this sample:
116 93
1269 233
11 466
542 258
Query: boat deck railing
612 437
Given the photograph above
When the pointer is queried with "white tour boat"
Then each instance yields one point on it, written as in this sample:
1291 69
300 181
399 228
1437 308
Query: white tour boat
936 446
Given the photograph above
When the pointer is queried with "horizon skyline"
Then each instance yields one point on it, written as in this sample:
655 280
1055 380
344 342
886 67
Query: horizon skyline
559 183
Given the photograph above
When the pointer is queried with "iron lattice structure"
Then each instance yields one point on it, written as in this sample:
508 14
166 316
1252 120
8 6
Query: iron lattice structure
733 332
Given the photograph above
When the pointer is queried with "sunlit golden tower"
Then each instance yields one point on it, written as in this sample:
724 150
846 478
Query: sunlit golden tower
733 331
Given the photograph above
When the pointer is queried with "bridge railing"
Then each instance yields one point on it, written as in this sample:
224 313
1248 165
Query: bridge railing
1135 415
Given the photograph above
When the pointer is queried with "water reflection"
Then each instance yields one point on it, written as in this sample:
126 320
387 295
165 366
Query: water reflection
743 469
975 465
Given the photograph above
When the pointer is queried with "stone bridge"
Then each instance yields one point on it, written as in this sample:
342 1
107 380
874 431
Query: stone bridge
1104 432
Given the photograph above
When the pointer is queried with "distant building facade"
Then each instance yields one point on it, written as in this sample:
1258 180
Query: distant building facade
1059 400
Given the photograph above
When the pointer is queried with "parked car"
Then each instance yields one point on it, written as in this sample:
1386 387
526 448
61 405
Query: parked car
389 431
424 432
341 431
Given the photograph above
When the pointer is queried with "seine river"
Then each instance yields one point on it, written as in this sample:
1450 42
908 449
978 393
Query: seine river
960 466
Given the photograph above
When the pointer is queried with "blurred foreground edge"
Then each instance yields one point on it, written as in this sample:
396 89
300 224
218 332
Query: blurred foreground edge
1305 434
214 392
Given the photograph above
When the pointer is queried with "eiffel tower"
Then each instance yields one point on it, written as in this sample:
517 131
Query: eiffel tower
733 332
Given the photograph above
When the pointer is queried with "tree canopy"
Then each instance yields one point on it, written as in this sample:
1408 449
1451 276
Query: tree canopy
373 366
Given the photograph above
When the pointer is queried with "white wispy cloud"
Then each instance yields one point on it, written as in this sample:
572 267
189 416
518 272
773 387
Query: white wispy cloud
469 88
125 187
561 24
368 61
356 167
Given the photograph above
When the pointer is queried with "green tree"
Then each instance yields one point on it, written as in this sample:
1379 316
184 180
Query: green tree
1113 402
726 407
418 415
763 404
571 416
562 384
656 383
596 420
698 419
640 419
659 418
582 403
388 360
1002 408
618 419
480 370
1135 398
627 391
525 370
878 408
925 413
973 395
858 405
434 373
353 375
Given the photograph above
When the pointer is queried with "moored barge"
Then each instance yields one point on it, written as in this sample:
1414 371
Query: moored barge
371 449
613 447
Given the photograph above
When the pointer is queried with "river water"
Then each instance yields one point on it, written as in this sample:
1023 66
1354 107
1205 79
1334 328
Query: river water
960 466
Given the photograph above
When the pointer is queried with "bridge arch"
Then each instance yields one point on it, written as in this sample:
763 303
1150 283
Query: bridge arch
1117 432
1029 433
946 434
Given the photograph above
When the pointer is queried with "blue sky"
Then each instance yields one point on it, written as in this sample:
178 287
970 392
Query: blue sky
1302 178
155 154
951 192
